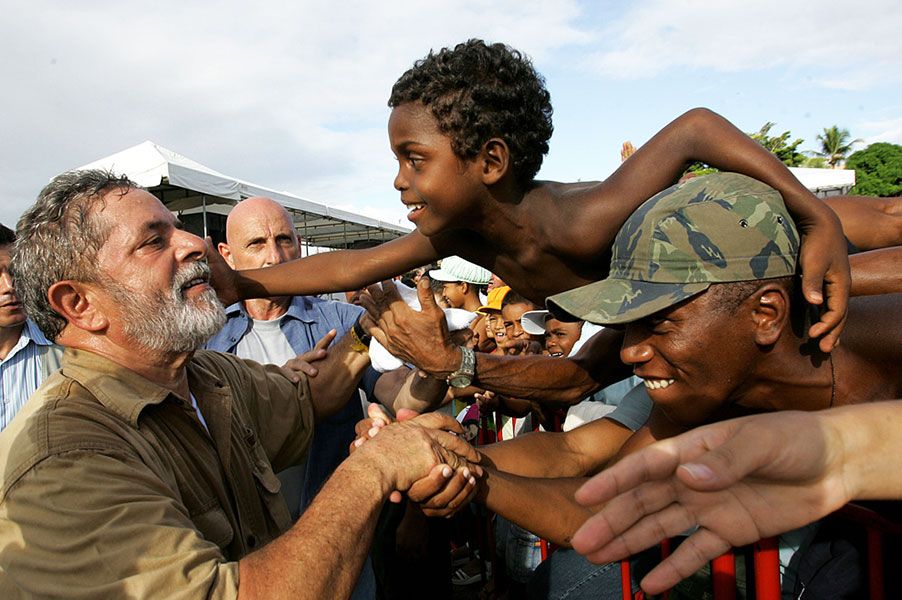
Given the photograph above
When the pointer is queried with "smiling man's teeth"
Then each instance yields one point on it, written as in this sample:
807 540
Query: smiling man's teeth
657 384
415 207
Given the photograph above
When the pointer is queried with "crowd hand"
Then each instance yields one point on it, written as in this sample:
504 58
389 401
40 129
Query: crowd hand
824 259
514 347
444 485
626 150
223 278
413 336
738 481
303 363
488 401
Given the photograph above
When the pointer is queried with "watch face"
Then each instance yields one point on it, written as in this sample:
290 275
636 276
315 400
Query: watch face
459 380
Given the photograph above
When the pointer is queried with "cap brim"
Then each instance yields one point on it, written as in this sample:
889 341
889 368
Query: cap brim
616 301
533 321
440 275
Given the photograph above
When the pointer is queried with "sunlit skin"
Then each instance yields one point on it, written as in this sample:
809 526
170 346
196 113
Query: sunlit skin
675 348
546 237
560 336
144 250
260 233
12 313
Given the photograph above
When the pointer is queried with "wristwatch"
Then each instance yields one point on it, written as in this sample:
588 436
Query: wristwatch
464 374
360 339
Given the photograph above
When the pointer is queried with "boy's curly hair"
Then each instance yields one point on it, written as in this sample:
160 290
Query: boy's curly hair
477 91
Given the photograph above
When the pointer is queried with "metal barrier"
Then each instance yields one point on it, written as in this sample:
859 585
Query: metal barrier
765 555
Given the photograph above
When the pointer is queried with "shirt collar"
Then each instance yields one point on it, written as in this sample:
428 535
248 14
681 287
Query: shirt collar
33 333
122 390
300 308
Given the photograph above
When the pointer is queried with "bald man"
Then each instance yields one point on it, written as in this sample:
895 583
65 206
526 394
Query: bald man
260 233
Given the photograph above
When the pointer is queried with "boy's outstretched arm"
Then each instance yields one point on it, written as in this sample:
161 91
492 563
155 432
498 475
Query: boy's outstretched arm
337 271
702 135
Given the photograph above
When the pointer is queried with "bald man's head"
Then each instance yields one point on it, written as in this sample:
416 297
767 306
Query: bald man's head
259 233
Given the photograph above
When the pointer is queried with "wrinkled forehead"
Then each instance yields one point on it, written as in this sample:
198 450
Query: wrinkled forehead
127 217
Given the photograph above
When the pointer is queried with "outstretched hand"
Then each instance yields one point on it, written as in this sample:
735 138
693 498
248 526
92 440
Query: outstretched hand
419 337
737 481
303 363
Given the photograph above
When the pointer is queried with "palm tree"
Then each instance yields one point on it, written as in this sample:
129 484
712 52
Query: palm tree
835 145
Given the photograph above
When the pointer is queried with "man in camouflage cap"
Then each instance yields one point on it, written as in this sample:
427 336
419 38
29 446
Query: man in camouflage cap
715 229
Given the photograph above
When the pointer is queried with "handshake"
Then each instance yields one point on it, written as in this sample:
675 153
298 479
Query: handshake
420 456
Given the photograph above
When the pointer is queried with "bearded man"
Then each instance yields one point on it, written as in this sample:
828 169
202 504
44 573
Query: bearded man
144 468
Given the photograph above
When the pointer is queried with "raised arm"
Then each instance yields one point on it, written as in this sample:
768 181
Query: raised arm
705 136
877 272
337 271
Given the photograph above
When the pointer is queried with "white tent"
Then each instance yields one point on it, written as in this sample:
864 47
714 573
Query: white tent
189 188
825 182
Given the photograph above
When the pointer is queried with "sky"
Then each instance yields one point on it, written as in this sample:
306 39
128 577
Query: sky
292 95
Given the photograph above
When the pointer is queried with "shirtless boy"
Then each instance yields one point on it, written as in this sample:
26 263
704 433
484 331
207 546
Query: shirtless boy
470 126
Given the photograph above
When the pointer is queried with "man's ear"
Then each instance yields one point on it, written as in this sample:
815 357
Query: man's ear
770 313
76 302
495 159
226 253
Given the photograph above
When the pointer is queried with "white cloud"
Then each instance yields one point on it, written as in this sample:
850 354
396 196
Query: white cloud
846 45
885 130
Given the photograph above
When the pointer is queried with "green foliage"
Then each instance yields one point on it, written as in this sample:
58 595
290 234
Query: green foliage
878 170
700 168
835 145
815 162
788 152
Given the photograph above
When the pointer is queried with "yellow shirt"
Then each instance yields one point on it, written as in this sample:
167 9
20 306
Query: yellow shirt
110 487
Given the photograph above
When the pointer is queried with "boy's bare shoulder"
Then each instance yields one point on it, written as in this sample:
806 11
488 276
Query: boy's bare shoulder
575 217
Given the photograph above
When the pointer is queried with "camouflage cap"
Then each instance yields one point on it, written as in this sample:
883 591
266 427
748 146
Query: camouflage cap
718 228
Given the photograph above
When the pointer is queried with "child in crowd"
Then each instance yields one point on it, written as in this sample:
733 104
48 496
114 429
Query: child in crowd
470 126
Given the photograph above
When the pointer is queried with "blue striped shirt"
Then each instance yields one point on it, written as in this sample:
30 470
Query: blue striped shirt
21 372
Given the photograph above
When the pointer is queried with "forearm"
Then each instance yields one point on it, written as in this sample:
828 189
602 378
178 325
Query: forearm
576 453
536 454
541 378
870 438
406 388
876 272
702 135
546 507
337 271
321 556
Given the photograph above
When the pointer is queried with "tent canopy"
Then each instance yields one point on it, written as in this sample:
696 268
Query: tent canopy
188 187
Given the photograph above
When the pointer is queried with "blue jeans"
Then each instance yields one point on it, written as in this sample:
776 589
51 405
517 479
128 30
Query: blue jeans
568 575
518 549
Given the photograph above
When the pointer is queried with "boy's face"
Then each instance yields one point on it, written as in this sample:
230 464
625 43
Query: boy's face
560 336
437 187
454 293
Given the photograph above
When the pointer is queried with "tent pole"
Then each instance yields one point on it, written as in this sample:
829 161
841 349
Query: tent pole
204 200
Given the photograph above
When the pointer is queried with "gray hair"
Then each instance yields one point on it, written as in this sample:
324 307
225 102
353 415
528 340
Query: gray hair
58 238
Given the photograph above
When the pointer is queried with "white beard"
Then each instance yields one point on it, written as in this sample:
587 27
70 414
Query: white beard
169 322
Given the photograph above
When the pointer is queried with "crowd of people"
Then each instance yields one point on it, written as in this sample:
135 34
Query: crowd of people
188 420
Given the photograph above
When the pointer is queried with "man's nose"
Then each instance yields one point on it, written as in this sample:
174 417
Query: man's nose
189 246
6 283
635 349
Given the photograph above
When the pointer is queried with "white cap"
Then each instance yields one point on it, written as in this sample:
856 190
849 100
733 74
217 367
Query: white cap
533 321
454 268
